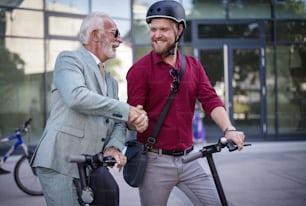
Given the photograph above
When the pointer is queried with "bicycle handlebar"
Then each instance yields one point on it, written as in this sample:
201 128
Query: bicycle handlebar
25 126
210 149
24 129
27 123
92 160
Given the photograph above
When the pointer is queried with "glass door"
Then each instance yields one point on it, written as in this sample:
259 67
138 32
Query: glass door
237 75
247 86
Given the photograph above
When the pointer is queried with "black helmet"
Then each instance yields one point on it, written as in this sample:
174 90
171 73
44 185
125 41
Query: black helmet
168 9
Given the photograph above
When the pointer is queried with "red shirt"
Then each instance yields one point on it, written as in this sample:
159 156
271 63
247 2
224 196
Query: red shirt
149 84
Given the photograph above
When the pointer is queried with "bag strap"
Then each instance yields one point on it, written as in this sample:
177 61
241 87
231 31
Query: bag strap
152 139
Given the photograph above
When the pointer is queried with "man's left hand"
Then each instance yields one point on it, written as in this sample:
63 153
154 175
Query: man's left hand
119 157
237 137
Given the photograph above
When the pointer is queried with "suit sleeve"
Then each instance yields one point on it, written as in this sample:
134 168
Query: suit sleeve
69 79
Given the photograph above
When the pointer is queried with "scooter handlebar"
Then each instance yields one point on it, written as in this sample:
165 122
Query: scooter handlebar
92 159
76 158
209 149
192 156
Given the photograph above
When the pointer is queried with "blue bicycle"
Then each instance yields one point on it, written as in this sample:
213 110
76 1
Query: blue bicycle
24 175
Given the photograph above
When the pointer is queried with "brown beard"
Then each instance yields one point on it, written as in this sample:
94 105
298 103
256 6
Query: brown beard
169 50
166 51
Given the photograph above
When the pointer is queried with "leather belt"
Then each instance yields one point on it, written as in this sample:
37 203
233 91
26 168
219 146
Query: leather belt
175 153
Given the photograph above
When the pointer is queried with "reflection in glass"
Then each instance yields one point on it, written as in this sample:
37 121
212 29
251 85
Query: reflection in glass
292 88
116 9
64 26
24 23
246 86
268 31
32 4
207 10
20 90
234 31
270 85
250 9
290 9
30 51
141 33
212 61
291 31
68 6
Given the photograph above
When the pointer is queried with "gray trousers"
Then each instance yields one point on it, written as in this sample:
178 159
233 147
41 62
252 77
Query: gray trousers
58 189
165 172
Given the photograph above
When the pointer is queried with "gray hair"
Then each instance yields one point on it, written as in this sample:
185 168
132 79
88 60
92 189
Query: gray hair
91 22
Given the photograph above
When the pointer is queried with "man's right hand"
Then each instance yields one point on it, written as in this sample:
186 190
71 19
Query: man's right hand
138 119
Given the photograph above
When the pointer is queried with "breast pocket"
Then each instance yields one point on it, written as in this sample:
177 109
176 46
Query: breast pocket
72 131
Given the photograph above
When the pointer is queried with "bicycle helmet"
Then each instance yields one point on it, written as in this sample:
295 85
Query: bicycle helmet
168 9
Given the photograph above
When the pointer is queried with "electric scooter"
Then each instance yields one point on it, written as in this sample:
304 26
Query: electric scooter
207 151
98 186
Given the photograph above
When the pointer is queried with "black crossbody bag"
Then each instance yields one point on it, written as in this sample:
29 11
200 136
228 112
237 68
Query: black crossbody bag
136 152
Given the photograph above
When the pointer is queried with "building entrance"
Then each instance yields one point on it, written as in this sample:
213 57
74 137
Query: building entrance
236 70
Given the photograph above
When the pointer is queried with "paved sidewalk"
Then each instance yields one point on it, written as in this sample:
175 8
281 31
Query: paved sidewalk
267 173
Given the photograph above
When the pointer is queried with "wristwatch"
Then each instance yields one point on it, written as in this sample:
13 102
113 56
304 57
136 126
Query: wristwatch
230 128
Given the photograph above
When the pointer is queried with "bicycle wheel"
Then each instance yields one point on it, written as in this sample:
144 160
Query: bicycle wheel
26 178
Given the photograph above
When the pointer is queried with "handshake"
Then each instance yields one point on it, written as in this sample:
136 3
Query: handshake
138 119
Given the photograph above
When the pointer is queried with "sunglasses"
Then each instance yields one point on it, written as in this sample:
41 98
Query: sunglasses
116 33
175 83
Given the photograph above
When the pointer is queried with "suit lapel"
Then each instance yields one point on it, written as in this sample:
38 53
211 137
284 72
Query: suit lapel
99 78
109 84
94 66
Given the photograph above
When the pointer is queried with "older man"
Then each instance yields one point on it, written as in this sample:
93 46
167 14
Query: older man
86 115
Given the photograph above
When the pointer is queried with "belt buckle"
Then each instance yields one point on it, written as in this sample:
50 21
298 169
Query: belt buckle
186 151
178 153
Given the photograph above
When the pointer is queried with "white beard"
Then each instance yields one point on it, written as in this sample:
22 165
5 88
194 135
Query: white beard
109 49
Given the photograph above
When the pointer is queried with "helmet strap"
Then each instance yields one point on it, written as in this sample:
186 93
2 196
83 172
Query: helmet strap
171 51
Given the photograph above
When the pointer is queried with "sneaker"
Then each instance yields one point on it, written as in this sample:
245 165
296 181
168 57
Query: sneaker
3 171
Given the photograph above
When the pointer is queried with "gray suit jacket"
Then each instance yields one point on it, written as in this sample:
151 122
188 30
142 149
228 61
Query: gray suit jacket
82 120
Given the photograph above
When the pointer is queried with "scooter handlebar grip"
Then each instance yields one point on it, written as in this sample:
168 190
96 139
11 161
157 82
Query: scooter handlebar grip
76 158
192 157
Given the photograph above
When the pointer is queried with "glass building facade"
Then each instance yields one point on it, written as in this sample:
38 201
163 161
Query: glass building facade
254 52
